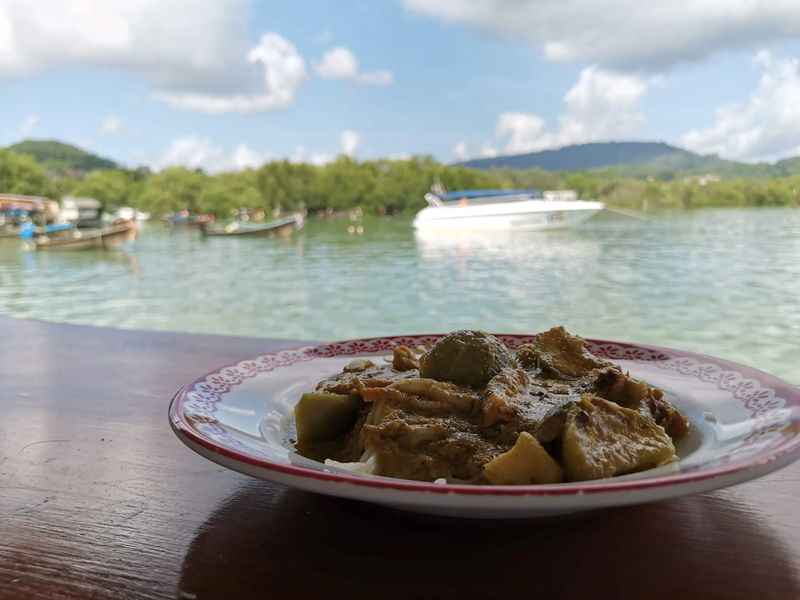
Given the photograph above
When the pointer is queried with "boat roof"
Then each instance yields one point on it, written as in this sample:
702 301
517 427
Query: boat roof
80 202
10 202
469 194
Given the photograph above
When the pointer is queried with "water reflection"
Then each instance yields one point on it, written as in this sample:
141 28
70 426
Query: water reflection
506 245
292 544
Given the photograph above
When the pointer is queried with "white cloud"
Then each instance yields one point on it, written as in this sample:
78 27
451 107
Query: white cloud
525 132
194 53
460 150
625 33
195 152
245 157
341 63
766 126
284 72
601 105
338 63
300 155
320 158
175 44
191 152
350 141
111 125
29 123
380 77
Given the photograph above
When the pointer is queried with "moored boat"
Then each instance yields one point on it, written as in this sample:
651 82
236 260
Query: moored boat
118 233
186 219
129 213
19 213
9 231
107 237
504 209
77 240
85 213
280 227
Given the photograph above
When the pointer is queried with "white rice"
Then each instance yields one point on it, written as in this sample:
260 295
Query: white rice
362 467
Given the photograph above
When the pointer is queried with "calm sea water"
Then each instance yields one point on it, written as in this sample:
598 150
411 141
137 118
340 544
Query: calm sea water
722 282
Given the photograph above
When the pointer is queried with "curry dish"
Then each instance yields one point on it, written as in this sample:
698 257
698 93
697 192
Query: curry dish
471 410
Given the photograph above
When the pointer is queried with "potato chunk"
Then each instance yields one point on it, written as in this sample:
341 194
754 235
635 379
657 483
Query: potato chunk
558 354
603 439
527 462
322 416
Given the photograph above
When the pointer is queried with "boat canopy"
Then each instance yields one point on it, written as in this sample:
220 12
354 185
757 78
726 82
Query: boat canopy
472 194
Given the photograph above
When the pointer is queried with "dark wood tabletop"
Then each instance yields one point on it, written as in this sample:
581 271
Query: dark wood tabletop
98 499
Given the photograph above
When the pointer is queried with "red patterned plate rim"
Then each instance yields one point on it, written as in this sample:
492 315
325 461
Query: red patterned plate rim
786 452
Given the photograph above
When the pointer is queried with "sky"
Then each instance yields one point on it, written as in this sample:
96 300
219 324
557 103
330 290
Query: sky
229 84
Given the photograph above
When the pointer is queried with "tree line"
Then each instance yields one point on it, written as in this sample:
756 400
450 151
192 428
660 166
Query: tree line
376 186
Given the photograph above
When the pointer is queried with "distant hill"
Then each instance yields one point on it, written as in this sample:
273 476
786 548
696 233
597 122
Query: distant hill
635 159
62 158
789 166
586 156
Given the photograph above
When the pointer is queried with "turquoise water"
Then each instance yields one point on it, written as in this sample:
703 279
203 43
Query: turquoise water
723 282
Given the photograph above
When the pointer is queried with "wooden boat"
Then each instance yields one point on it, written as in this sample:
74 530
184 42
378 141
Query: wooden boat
77 240
280 227
107 237
9 232
118 233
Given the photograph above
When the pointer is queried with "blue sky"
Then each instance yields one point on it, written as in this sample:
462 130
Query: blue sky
169 82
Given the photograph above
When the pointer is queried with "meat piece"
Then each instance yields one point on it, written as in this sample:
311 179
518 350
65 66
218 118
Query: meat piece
413 446
558 354
468 358
457 398
603 439
439 397
666 415
614 385
502 394
358 365
426 429
352 382
514 398
527 462
404 359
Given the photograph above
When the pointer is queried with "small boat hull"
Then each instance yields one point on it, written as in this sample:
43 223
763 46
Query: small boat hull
118 234
524 215
80 240
108 237
280 228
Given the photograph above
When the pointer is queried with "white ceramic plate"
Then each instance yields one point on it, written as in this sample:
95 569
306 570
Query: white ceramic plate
745 424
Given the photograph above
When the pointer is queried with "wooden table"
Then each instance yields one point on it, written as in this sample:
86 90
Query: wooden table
98 499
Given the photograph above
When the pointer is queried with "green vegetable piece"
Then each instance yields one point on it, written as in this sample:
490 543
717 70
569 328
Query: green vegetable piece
322 416
469 358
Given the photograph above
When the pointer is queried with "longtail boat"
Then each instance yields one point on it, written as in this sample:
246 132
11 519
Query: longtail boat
280 227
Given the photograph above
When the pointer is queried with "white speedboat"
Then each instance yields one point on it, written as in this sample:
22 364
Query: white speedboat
129 213
504 209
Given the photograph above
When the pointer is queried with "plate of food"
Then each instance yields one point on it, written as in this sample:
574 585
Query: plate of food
472 424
